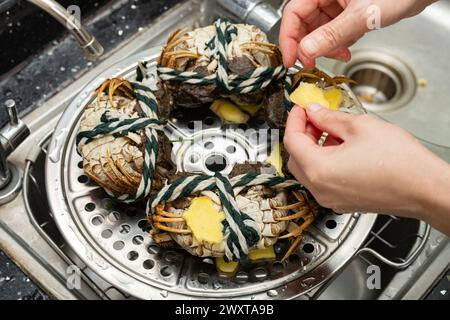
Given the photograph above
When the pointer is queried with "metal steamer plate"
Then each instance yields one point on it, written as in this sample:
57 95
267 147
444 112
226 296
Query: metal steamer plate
113 240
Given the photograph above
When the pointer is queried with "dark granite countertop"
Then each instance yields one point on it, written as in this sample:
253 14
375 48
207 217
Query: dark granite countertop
60 61
14 284
51 67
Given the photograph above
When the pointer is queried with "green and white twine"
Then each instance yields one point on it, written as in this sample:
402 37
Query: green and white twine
240 231
119 127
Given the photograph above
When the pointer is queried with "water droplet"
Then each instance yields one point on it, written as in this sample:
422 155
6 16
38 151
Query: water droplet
140 29
120 32
62 69
272 293
164 294
133 7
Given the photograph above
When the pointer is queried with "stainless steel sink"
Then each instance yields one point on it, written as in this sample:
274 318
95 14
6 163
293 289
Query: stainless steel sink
407 64
29 236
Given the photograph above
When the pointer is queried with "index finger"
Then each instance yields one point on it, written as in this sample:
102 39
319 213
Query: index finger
293 28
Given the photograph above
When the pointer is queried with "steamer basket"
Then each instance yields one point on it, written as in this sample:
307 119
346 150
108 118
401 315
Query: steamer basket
114 241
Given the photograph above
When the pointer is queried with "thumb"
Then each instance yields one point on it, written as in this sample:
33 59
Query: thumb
338 124
334 34
296 140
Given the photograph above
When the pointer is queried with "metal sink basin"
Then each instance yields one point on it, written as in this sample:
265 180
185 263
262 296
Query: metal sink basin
407 248
402 69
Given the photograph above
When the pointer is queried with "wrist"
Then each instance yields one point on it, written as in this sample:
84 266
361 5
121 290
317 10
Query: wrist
434 199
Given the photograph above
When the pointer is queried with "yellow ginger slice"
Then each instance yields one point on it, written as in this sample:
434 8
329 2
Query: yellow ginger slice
335 97
204 220
226 267
229 112
275 159
262 254
251 109
308 93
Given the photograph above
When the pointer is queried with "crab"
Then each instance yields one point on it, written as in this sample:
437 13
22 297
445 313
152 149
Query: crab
195 222
316 86
116 163
319 77
189 51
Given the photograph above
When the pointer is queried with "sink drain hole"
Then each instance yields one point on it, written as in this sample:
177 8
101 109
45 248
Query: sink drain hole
331 224
148 264
308 248
215 163
166 271
132 255
384 82
375 85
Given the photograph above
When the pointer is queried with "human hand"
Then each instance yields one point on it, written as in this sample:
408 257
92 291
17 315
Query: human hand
314 28
367 165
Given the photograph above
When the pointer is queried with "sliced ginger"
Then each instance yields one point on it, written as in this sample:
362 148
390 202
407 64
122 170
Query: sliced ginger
308 93
226 267
204 220
275 159
262 254
251 109
229 112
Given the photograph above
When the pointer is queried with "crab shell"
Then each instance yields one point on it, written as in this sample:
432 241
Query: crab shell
116 163
187 51
258 202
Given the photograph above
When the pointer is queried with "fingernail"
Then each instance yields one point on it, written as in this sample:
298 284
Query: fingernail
310 46
344 56
314 107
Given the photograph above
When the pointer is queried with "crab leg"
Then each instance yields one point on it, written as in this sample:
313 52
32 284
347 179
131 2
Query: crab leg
170 229
116 171
299 230
165 219
160 211
288 207
259 43
178 54
173 44
176 35
299 196
182 53
292 248
303 212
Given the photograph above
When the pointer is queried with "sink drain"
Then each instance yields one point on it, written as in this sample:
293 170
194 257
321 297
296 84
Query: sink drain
384 82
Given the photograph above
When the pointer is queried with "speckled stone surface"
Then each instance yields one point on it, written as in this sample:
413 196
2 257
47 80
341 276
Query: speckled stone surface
14 284
62 60
54 67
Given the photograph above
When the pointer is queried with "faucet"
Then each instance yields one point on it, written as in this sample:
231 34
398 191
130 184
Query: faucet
261 13
11 136
91 47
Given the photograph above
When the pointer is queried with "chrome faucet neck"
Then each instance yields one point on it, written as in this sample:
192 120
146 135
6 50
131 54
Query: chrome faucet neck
91 47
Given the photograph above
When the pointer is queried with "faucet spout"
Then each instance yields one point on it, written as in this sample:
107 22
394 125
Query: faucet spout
91 47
